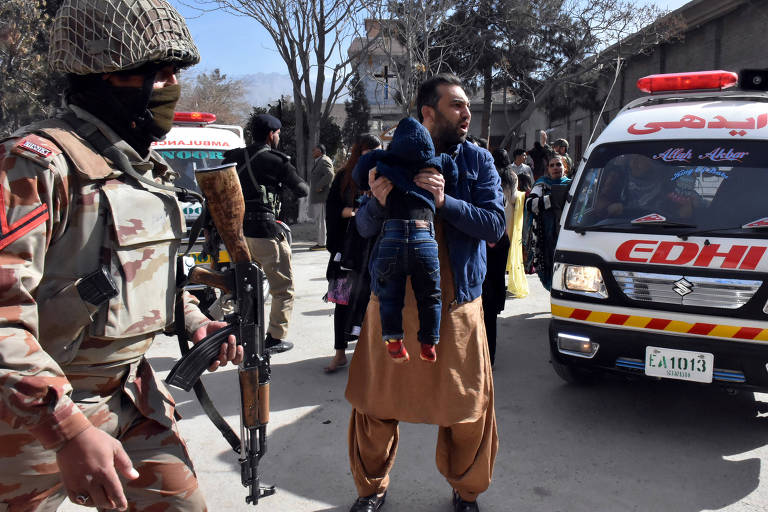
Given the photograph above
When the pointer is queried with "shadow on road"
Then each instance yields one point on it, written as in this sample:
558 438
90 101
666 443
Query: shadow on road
618 444
615 446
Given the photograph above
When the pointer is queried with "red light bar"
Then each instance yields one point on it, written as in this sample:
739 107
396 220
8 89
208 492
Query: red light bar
688 81
194 117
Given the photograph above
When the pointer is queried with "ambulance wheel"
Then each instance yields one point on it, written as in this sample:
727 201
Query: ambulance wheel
572 374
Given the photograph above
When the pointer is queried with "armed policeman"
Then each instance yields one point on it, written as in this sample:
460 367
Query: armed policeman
263 172
90 230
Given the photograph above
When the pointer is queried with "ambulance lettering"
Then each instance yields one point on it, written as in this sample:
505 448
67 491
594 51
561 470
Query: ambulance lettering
742 257
187 143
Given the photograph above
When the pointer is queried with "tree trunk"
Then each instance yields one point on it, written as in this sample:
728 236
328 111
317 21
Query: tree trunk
485 128
302 156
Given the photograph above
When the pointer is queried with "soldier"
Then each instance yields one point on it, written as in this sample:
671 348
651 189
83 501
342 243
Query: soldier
88 241
264 171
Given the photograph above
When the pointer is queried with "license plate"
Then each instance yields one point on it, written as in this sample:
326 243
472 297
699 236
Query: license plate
199 260
679 364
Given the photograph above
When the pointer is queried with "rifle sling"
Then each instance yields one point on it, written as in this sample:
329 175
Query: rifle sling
200 392
100 142
248 160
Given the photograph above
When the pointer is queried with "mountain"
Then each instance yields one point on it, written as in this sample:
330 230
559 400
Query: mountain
263 88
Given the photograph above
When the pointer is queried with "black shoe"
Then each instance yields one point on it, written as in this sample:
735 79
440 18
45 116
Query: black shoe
370 503
459 505
276 346
317 247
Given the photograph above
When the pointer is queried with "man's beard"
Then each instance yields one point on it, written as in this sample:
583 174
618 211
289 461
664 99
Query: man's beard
448 134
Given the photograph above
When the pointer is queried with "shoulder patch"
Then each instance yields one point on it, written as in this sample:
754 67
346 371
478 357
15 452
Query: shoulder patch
36 148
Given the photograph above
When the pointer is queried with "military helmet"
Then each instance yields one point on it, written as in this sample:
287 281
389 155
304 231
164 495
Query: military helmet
105 36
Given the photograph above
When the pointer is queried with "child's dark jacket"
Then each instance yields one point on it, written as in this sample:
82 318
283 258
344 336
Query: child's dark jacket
410 151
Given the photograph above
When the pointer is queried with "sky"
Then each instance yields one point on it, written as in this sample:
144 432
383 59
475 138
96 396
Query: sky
238 45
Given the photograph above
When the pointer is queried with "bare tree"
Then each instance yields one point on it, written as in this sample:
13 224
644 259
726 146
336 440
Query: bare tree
214 92
418 39
29 90
310 36
580 37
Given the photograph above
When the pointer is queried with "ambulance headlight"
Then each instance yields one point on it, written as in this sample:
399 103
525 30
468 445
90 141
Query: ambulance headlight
579 279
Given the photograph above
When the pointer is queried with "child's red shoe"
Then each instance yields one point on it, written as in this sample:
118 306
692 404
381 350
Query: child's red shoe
428 353
396 350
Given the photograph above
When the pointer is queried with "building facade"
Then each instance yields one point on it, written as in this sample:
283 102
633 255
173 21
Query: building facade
716 34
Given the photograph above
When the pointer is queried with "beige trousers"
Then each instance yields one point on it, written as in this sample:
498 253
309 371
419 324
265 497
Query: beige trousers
317 212
465 453
274 257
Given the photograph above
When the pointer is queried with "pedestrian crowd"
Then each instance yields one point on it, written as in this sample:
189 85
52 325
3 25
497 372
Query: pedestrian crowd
427 239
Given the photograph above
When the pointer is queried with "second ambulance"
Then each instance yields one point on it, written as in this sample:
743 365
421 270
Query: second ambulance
661 267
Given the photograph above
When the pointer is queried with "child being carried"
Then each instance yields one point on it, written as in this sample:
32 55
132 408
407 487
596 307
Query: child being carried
406 245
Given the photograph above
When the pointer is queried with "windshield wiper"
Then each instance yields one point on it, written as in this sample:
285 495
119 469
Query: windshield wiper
663 224
755 224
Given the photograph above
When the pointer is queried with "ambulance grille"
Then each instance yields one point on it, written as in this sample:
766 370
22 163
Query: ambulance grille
710 292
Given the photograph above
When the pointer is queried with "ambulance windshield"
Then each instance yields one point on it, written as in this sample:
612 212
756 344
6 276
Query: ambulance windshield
674 186
185 161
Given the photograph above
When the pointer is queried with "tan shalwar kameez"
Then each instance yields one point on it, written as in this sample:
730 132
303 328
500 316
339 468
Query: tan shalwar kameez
455 393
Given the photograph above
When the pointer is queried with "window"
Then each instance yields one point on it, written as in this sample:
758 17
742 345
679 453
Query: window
710 184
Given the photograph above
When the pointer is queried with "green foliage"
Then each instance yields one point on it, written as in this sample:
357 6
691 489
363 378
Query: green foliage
358 112
29 90
285 110
330 135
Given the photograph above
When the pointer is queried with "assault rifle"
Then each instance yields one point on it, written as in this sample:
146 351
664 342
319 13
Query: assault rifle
224 200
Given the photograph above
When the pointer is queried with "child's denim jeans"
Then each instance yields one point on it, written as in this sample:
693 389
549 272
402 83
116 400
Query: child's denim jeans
407 248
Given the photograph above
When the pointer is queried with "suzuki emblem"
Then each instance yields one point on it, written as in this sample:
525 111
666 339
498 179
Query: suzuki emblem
682 287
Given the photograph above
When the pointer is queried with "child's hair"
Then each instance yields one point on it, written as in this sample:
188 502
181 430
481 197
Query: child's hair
524 182
366 141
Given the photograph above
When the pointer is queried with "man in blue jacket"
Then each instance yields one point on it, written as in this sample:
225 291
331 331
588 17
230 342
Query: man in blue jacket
456 393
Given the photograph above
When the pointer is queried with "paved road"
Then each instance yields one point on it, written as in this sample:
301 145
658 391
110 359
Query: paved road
619 446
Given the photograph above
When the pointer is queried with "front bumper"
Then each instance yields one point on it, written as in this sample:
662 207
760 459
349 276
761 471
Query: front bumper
737 363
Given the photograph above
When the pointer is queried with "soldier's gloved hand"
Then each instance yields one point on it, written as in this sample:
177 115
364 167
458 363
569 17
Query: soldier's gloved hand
89 464
230 351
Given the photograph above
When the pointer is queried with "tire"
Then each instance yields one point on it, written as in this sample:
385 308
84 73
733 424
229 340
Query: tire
573 375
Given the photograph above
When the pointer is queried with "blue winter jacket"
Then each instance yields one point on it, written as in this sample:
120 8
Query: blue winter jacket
473 216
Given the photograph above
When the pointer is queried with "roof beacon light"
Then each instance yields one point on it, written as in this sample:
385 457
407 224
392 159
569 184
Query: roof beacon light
696 80
194 117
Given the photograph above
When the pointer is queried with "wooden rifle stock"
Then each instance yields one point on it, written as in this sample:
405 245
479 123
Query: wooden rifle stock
224 196
214 278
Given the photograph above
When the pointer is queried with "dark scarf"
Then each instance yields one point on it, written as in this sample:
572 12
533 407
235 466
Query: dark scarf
139 116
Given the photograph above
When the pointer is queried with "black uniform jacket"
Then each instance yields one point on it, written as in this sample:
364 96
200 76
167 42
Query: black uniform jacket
272 169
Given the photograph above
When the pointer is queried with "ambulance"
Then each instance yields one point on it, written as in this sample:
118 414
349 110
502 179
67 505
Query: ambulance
195 142
661 265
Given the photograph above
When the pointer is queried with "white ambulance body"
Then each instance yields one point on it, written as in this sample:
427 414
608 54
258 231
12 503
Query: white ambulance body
661 267
195 142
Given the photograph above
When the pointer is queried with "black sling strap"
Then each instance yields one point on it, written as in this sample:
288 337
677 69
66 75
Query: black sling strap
202 395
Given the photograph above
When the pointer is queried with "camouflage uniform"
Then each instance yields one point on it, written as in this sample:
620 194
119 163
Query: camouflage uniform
65 364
